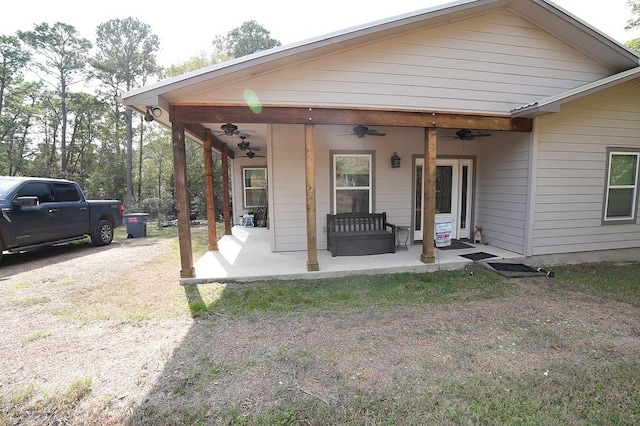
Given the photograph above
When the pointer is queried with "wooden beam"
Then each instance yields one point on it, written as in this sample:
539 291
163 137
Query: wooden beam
311 115
210 192
200 133
429 205
310 178
225 193
182 200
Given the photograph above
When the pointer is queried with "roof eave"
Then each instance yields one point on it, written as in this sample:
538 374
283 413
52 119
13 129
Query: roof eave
553 104
579 34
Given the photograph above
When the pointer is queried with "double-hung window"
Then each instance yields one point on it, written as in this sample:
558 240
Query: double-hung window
621 195
352 183
254 182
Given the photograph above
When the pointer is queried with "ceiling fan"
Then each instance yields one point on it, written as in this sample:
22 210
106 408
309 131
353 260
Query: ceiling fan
230 129
362 131
468 135
251 154
244 145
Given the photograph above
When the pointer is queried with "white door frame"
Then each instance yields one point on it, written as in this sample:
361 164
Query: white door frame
461 209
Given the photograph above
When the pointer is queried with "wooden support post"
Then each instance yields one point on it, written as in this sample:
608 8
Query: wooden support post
225 192
310 175
182 200
429 204
210 192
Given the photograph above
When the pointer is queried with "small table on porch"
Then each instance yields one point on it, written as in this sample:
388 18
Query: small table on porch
401 244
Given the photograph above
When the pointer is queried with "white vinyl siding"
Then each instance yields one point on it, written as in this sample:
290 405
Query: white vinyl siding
287 178
288 211
502 190
487 64
572 172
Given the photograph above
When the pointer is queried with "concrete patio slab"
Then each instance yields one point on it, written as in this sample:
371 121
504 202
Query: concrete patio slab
246 256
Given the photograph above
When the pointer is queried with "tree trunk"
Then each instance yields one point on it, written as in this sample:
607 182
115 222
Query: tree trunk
129 158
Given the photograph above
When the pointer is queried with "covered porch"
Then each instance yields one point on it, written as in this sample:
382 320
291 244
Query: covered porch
199 121
245 255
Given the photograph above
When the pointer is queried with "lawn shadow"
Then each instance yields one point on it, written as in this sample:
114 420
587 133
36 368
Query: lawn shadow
396 362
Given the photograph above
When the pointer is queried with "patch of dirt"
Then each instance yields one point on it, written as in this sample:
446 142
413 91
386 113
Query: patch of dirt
79 311
60 322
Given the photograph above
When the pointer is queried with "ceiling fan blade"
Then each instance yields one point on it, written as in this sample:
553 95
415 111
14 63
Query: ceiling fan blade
362 131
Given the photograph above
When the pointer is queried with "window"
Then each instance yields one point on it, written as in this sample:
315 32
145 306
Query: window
352 183
254 181
622 186
66 192
37 189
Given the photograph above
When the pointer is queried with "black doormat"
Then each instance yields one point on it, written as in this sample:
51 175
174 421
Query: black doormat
511 267
478 256
513 270
456 245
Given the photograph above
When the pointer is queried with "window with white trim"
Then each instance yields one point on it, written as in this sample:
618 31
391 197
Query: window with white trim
352 183
254 182
622 186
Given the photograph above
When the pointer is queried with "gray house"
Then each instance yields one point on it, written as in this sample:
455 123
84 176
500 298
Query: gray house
511 115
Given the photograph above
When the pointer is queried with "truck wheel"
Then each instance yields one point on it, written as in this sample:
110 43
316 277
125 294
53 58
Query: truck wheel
103 235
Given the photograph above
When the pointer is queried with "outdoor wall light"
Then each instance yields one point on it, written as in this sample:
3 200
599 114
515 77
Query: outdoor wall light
395 161
152 113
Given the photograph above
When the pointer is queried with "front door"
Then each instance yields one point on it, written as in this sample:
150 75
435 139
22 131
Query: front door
453 196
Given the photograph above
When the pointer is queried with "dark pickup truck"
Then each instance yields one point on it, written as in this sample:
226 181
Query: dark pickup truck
39 212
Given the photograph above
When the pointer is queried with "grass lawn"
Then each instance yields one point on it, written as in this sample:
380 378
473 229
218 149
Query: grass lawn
586 381
449 347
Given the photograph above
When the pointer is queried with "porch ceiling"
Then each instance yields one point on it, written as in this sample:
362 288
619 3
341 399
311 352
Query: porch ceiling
202 119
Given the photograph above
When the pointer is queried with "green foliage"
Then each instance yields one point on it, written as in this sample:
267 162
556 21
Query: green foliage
249 38
47 129
62 55
126 58
635 11
634 44
196 62
16 106
126 53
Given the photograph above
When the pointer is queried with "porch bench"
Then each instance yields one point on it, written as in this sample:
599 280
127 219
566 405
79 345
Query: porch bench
357 234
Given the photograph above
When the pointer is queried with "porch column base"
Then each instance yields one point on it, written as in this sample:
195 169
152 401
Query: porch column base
313 267
188 273
427 259
213 247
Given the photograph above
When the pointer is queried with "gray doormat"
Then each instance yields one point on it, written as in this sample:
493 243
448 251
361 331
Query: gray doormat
515 270
478 256
456 245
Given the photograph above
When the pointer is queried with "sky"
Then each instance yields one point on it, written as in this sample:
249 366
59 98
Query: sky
188 27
